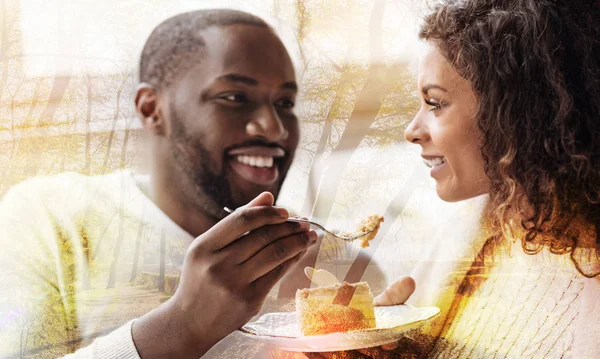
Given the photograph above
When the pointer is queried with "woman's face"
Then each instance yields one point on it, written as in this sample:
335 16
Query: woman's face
446 129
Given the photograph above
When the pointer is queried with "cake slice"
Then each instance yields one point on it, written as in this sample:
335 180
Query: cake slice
336 308
370 224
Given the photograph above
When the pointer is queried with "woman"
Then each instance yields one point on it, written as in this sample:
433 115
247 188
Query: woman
510 93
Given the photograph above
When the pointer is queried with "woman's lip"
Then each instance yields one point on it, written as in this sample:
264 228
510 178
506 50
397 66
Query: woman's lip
431 157
262 176
436 169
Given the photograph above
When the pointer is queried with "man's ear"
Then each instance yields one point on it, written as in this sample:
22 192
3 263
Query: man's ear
147 107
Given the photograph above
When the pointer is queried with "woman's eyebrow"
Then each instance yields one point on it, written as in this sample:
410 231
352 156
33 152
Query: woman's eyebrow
426 88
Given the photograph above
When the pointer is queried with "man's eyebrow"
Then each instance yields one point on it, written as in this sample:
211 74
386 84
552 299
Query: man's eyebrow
290 86
253 82
426 88
239 78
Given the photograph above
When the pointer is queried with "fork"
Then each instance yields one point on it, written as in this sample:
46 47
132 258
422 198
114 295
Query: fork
300 220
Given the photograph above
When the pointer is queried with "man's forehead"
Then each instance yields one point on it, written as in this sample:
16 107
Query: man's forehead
248 50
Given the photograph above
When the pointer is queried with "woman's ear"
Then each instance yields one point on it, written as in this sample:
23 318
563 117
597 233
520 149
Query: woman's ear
147 107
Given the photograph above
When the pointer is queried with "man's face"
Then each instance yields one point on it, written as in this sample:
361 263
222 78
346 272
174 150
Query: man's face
234 132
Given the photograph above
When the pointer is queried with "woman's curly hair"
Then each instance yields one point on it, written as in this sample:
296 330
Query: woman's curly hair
535 68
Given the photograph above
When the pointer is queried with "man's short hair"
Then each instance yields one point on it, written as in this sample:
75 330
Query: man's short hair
177 43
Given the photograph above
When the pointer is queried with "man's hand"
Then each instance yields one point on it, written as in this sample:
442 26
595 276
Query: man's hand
227 273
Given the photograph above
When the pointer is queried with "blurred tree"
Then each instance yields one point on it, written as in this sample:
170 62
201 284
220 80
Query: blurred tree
358 102
63 73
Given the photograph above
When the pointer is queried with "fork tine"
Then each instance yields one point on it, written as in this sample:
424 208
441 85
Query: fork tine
323 229
328 232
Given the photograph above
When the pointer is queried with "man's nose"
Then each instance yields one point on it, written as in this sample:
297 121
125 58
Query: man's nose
416 132
267 124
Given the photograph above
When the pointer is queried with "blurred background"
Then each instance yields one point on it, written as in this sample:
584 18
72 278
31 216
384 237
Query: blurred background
68 71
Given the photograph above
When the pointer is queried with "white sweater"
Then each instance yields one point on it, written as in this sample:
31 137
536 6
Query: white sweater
81 256
519 306
526 307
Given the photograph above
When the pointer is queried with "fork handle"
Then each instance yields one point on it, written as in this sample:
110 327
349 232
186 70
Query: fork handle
300 220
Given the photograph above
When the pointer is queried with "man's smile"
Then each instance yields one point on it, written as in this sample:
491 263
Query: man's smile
257 164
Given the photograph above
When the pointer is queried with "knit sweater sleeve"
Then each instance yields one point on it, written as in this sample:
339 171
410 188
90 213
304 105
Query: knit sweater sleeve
32 304
41 266
116 345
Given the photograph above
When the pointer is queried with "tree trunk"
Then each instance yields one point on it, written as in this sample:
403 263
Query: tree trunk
61 79
136 255
29 120
313 183
114 124
363 115
59 87
117 251
4 45
86 283
123 163
161 274
120 238
88 120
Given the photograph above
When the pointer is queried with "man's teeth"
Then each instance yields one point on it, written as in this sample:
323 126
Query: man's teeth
256 161
435 161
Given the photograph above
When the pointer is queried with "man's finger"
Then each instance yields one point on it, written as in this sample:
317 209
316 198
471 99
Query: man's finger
252 243
278 252
397 293
264 284
241 221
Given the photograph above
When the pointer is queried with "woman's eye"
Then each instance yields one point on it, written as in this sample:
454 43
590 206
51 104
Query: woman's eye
435 106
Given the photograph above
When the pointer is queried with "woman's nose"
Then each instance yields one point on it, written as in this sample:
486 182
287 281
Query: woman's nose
416 132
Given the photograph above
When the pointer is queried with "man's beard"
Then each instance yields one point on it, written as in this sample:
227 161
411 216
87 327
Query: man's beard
202 187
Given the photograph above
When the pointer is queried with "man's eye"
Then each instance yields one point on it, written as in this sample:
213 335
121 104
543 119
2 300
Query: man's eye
235 97
285 103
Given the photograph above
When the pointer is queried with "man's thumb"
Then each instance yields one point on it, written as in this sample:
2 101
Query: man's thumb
263 199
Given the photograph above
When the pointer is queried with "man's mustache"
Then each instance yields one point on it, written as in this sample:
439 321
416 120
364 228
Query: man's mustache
256 142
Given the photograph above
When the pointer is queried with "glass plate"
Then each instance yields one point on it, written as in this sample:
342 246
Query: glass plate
281 329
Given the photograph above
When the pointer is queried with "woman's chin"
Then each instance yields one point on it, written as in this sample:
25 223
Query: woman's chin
456 195
448 196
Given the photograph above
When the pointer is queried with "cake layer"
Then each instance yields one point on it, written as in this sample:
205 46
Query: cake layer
337 308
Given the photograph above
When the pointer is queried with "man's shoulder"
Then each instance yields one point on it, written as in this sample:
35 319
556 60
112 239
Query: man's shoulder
65 182
67 188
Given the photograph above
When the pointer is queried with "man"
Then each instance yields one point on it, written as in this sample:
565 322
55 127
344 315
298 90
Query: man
216 97
84 255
